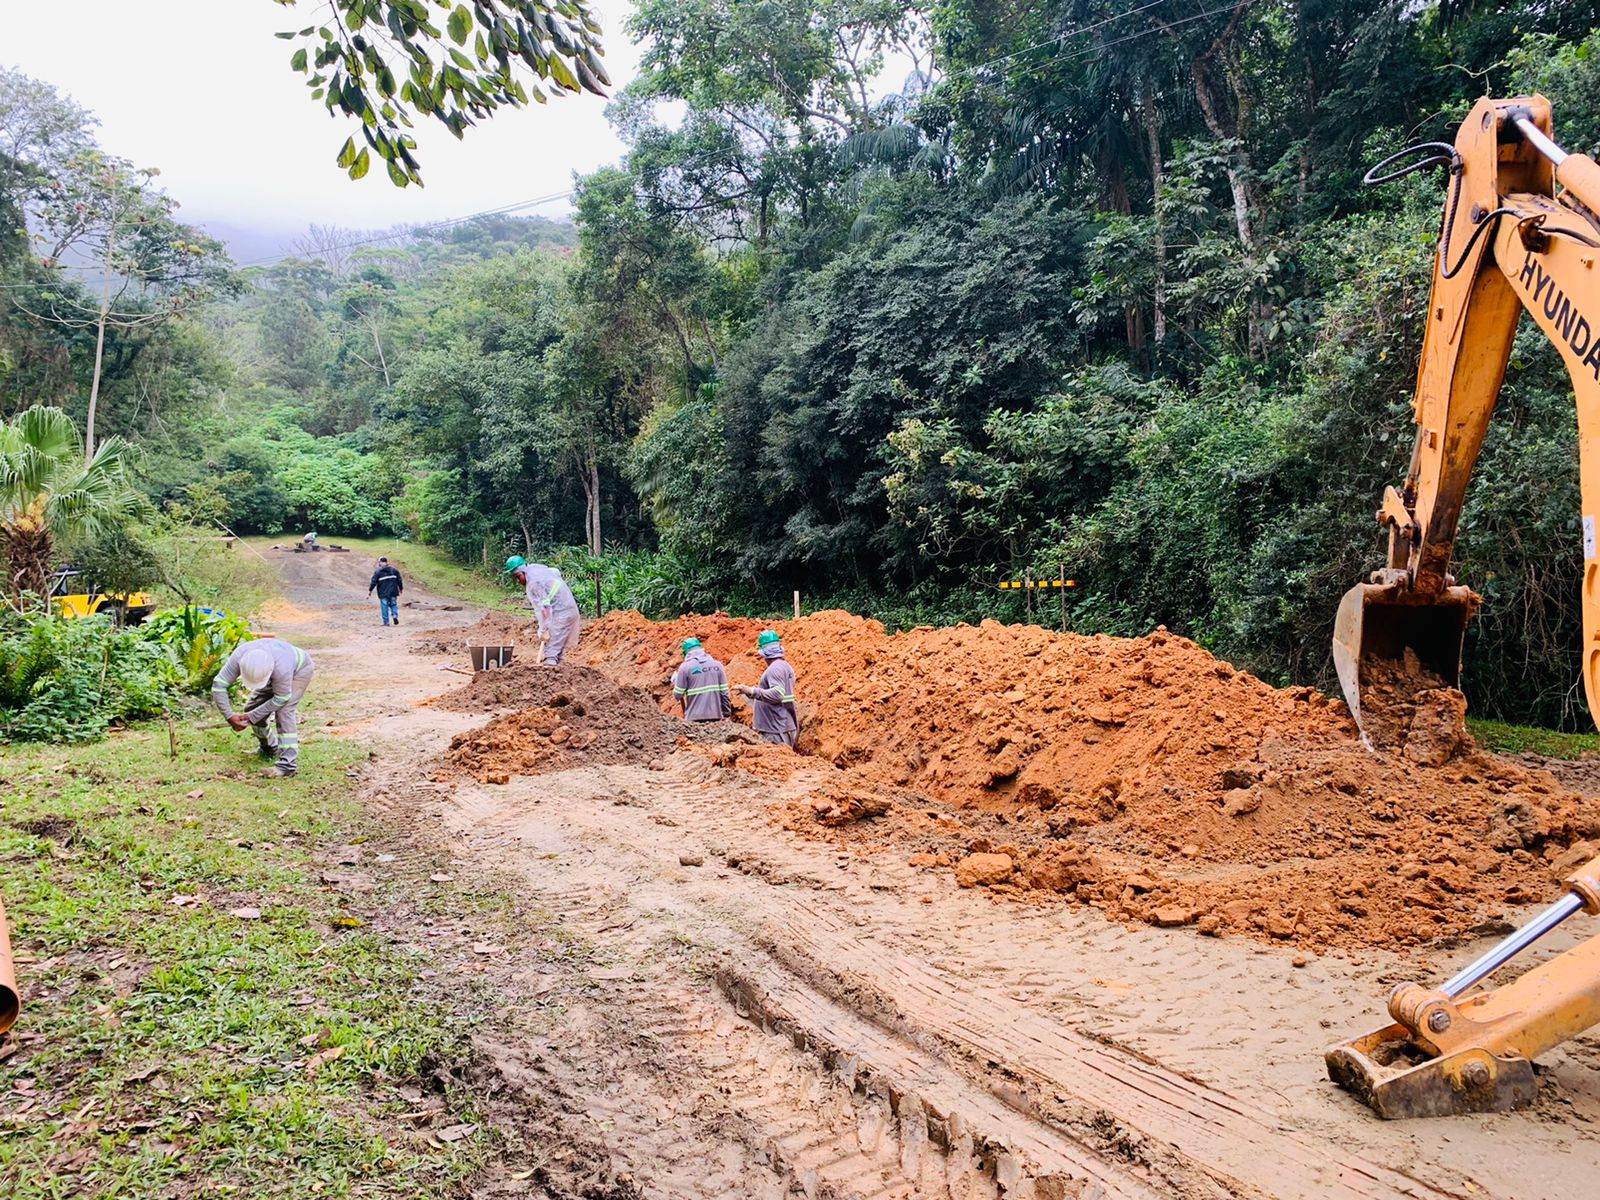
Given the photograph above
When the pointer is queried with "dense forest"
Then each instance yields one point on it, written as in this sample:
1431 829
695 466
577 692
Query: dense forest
886 302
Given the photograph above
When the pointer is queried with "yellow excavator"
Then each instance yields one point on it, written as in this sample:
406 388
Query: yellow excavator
1520 232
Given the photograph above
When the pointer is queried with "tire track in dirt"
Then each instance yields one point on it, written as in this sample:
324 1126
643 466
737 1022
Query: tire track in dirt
743 1027
836 1104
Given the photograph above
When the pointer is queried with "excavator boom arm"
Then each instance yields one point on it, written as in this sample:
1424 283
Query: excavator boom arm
1508 244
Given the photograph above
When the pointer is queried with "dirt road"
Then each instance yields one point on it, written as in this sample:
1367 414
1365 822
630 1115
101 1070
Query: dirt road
752 1013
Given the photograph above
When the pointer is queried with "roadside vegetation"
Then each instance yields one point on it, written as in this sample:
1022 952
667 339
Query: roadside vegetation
1526 739
225 992
913 298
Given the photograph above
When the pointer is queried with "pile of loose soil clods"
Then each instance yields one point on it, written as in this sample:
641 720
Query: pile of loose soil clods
1146 777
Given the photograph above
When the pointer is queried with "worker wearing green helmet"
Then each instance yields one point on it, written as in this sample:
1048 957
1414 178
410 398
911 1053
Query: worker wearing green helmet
774 715
551 600
701 684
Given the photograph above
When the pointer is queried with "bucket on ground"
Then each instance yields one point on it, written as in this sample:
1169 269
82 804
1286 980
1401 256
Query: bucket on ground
489 658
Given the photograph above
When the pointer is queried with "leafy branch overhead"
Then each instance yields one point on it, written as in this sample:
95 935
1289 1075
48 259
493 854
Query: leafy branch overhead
383 61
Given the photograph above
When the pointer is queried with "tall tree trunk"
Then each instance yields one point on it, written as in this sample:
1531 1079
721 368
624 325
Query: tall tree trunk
1238 161
1152 129
382 361
1114 196
589 476
100 336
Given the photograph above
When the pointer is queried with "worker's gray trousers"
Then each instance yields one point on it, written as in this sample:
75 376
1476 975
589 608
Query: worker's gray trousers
564 630
279 731
786 738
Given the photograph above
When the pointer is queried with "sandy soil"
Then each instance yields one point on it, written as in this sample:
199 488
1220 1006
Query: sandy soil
761 1011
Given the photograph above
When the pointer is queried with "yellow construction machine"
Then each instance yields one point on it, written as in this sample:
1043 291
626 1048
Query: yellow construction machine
72 596
1512 239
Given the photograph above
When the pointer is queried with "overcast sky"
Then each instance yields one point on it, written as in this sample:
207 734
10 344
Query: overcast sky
202 90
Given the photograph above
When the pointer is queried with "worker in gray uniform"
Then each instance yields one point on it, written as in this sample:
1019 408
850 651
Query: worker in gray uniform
560 622
772 702
701 685
274 676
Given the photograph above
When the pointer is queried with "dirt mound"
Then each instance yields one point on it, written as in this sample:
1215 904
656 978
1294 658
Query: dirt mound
566 716
494 629
1147 777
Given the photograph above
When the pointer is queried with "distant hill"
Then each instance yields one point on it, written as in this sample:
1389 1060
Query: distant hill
481 237
248 244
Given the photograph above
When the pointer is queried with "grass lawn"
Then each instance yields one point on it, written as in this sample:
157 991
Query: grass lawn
430 566
223 987
1526 739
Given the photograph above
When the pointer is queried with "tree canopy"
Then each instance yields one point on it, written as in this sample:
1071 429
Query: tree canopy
889 300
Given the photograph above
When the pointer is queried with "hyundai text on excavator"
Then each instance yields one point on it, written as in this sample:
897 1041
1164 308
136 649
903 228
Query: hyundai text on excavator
1512 239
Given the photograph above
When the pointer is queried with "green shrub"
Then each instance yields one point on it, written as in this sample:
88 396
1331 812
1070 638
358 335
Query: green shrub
65 680
197 640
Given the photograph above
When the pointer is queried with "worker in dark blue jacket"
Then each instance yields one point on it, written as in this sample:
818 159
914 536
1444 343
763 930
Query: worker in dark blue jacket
387 583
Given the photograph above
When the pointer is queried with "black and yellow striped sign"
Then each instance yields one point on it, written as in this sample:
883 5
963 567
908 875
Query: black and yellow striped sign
1022 584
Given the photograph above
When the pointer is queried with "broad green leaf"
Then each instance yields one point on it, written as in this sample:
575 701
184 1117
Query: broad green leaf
298 62
561 74
459 24
358 169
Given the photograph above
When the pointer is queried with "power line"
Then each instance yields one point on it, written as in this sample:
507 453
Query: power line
1055 41
449 222
413 230
1089 51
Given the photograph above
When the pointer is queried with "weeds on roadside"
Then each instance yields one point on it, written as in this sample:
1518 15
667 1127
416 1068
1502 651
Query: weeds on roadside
203 1013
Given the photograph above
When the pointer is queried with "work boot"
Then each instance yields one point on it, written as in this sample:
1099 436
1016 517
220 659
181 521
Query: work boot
275 773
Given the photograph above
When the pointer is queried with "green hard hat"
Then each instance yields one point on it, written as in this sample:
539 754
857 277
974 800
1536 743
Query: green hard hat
515 563
690 644
768 636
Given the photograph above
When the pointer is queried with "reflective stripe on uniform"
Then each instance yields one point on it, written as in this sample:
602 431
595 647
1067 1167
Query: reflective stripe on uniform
701 691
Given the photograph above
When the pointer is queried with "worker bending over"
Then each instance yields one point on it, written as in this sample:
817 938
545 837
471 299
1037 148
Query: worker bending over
772 702
701 685
275 676
551 598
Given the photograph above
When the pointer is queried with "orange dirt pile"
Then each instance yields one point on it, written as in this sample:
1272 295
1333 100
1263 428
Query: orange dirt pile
1143 776
565 716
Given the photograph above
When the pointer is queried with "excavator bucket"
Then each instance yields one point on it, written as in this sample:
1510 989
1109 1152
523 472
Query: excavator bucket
1388 639
1398 1079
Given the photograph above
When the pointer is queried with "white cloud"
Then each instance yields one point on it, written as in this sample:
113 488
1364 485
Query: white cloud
202 90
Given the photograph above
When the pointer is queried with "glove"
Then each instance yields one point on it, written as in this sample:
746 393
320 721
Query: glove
239 721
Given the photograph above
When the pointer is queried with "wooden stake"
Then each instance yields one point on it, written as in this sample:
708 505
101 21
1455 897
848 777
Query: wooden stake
172 737
1027 584
797 606
1063 584
599 604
